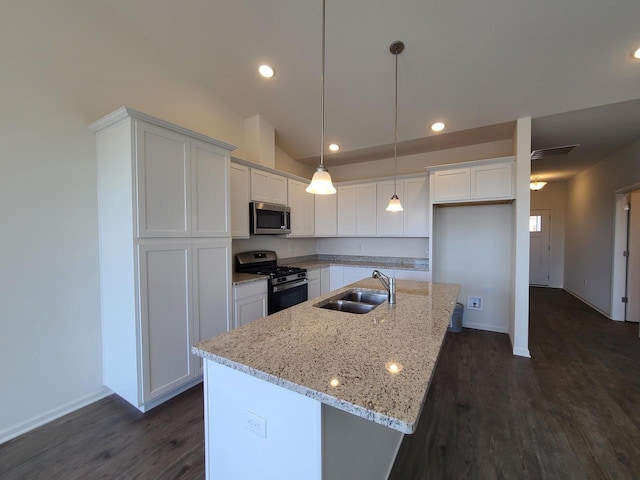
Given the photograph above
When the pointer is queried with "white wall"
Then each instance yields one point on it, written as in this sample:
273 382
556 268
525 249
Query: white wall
283 246
590 217
65 64
417 163
553 197
473 247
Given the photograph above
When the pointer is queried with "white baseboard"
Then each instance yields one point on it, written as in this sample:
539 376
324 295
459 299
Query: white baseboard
522 352
39 420
486 327
606 314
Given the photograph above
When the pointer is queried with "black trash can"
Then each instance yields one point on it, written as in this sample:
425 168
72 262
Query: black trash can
455 325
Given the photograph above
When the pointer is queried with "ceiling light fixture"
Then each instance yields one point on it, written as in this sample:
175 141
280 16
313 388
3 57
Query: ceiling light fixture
334 147
438 126
321 181
394 204
536 185
636 54
266 71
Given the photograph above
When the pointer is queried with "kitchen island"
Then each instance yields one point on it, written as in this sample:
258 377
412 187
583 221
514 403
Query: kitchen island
321 394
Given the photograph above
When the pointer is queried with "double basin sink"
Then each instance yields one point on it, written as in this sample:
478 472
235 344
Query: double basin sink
356 300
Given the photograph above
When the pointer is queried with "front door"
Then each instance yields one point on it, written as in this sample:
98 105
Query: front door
540 247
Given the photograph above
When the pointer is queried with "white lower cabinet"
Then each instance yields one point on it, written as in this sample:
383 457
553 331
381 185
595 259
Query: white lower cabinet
341 276
249 302
325 280
314 285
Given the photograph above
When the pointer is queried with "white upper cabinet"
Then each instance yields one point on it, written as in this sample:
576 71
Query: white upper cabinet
240 198
390 224
268 187
302 206
181 184
326 221
492 181
347 210
210 194
415 201
366 218
485 181
452 185
163 182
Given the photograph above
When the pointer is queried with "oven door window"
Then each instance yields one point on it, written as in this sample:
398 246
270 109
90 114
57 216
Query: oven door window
288 298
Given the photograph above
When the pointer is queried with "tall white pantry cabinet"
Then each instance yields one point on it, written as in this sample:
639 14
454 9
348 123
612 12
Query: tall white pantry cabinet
165 252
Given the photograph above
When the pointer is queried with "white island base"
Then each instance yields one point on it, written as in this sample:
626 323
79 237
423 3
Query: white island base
258 430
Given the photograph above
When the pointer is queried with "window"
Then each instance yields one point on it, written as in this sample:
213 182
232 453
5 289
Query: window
535 223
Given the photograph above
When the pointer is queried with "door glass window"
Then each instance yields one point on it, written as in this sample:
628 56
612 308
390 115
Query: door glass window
535 223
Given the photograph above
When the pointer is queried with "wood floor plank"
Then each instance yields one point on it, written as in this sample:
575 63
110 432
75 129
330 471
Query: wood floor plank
572 411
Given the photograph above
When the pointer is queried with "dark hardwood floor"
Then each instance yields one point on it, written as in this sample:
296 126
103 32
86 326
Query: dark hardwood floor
570 412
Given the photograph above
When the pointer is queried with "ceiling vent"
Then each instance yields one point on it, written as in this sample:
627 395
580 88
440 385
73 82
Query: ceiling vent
553 151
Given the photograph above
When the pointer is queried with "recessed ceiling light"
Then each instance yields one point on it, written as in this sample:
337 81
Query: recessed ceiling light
334 147
438 126
266 71
636 54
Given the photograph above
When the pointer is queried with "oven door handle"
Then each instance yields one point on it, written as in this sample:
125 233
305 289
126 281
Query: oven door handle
287 286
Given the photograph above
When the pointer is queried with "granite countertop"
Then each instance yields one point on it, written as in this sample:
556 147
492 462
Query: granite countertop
241 278
312 264
341 359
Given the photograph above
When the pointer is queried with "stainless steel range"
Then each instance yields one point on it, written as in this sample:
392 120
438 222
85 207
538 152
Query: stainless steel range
287 285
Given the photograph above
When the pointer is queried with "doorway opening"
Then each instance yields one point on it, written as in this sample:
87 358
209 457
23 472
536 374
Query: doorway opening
539 247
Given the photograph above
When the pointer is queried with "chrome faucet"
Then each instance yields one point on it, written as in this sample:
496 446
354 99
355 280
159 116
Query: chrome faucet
389 283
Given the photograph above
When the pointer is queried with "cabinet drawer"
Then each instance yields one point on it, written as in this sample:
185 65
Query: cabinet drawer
250 289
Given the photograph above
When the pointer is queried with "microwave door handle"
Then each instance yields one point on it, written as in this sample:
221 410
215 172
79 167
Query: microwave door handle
286 221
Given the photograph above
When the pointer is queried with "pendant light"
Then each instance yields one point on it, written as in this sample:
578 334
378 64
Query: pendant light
321 181
394 204
536 185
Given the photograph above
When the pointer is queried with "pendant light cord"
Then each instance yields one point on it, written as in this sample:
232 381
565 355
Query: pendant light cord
395 129
322 90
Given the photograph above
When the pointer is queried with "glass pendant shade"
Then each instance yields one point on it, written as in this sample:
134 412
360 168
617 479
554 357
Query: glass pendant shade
321 182
394 204
537 185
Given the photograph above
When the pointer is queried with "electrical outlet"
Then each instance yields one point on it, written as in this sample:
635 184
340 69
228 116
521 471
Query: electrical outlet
255 423
474 303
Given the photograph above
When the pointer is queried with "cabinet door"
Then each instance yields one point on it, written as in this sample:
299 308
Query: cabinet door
492 181
302 209
260 187
326 215
240 198
366 204
347 210
390 224
336 277
209 191
325 280
211 291
355 274
452 185
314 284
163 182
166 317
416 207
278 189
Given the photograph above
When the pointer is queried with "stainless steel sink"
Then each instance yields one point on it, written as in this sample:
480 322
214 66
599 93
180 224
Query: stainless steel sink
350 307
365 297
356 300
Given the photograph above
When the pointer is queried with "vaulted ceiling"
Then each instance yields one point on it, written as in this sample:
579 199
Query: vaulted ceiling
477 66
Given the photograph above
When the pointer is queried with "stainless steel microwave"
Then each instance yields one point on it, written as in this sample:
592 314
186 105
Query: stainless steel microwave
269 219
